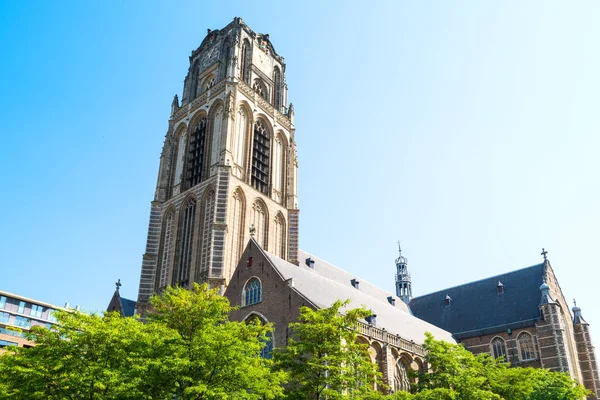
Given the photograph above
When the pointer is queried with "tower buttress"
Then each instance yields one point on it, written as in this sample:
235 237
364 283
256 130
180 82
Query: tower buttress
586 353
403 282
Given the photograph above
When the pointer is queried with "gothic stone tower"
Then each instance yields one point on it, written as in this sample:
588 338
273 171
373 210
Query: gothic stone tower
228 166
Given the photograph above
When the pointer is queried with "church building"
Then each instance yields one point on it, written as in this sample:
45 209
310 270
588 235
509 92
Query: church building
225 212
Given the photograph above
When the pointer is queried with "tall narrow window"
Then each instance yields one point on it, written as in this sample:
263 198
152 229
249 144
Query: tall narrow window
240 137
208 215
498 348
259 221
187 241
260 158
216 136
267 350
278 92
180 156
2 301
526 349
21 309
279 236
195 161
401 378
252 292
246 61
278 169
166 250
237 231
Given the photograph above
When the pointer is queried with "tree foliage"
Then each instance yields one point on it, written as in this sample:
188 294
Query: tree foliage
456 374
323 358
188 349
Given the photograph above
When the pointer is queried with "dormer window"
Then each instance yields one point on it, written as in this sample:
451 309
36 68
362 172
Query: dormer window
448 300
500 287
391 300
354 283
371 319
310 263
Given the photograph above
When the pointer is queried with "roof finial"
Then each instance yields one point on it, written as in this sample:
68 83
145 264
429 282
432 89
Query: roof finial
118 284
575 302
399 249
545 254
252 230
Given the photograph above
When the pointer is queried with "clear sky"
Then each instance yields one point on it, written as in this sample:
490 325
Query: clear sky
469 130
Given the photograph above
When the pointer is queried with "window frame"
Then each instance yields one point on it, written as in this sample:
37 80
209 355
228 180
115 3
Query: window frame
532 351
246 296
494 340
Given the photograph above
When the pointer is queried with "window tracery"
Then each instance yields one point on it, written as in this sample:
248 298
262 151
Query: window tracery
498 348
279 236
237 223
260 158
208 211
401 377
240 137
246 61
195 161
278 94
216 136
526 347
252 292
180 158
259 221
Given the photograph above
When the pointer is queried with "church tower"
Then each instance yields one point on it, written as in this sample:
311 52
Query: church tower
228 165
403 283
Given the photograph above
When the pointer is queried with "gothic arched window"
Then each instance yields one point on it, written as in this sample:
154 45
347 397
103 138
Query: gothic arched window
240 137
166 248
401 378
237 231
526 348
216 135
261 158
252 292
498 348
208 210
279 236
258 219
267 350
195 161
180 157
246 61
278 93
278 166
187 240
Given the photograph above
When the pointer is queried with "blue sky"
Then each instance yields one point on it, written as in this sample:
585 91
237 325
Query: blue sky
468 130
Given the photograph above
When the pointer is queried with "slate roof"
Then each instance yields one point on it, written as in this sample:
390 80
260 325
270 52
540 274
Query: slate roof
477 308
323 286
128 307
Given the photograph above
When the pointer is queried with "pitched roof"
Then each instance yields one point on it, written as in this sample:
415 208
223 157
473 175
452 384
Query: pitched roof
477 308
128 309
318 287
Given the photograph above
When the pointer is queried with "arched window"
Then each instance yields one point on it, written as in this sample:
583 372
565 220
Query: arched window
278 93
267 351
208 210
187 239
166 248
258 219
279 236
216 136
195 161
526 348
498 348
252 292
180 157
278 166
240 137
401 377
261 158
237 231
246 61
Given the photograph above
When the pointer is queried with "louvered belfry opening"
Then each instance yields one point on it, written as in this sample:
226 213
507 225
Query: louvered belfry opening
260 158
186 244
196 154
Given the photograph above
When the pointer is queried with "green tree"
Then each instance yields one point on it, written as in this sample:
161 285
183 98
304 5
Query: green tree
211 356
323 358
86 357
